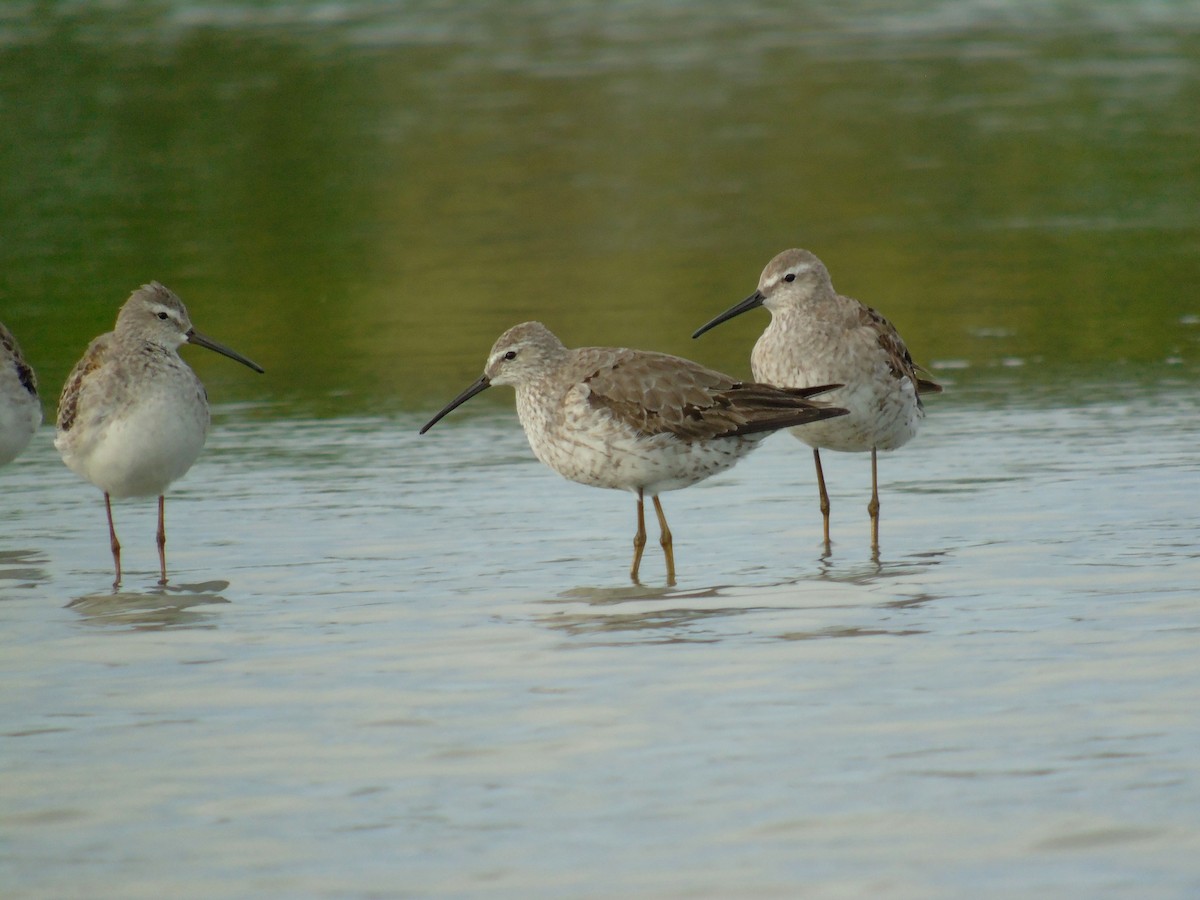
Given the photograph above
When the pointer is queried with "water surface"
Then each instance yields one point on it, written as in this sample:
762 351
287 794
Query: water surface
383 671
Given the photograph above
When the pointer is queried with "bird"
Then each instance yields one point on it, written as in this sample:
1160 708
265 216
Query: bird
20 408
132 417
817 335
635 420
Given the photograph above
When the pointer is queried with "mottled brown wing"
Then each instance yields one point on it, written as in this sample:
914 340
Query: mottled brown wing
659 394
760 407
925 386
68 401
24 372
899 359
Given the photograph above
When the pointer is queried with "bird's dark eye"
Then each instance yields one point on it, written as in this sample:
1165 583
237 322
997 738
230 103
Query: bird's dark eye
511 354
790 276
163 316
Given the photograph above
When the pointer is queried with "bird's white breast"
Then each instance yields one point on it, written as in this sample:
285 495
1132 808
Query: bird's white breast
134 440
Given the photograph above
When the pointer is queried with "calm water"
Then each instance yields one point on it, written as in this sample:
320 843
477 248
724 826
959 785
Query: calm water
402 666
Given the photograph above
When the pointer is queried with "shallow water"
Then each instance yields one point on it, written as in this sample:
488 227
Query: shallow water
401 666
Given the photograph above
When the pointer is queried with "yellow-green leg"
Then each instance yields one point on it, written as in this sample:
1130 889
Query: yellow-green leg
824 497
162 542
873 506
639 539
666 540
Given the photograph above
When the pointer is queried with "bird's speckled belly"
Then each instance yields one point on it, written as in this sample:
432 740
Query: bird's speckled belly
884 420
618 458
883 410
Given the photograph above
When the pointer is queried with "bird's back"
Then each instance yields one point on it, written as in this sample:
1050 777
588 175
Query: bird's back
80 379
629 419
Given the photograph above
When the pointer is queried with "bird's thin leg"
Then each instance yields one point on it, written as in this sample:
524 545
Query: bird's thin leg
824 497
873 506
113 542
665 539
639 539
162 542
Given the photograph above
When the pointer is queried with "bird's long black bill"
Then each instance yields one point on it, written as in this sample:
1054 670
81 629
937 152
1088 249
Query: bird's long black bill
200 340
478 387
754 301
